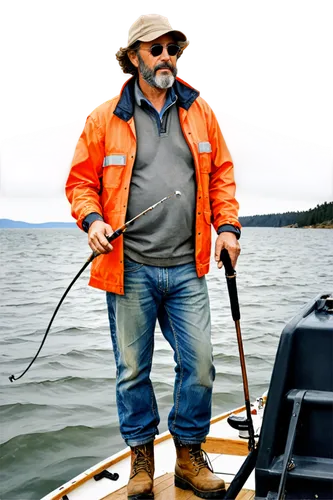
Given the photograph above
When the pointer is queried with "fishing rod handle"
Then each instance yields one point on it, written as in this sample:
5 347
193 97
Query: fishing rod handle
110 237
225 257
230 275
115 234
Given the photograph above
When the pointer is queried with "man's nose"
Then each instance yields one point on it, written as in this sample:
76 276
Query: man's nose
165 54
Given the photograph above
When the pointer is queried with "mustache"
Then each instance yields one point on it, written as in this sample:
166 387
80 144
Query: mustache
164 66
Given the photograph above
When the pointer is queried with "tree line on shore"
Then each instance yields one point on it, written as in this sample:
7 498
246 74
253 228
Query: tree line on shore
320 215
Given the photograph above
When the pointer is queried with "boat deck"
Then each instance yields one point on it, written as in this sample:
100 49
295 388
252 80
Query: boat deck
164 489
225 450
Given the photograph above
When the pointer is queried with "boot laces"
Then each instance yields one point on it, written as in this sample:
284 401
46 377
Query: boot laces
142 461
200 459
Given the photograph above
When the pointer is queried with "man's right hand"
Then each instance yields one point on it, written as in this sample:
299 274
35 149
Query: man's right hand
96 237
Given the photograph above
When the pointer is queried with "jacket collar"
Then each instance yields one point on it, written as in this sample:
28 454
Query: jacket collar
125 107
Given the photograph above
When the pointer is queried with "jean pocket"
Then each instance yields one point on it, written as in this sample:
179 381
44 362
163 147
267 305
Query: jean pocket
130 266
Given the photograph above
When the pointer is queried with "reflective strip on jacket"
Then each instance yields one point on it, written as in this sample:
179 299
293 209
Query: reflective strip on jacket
94 185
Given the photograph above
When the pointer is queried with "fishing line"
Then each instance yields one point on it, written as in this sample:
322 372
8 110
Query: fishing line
118 232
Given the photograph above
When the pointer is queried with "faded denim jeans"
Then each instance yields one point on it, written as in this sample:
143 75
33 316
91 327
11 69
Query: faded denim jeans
178 299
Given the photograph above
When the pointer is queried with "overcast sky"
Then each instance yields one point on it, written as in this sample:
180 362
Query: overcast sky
274 173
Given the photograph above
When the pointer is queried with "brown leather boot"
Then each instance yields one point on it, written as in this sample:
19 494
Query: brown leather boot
140 485
192 472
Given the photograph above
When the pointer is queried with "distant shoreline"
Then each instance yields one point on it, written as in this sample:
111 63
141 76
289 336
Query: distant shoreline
314 226
72 225
317 227
16 224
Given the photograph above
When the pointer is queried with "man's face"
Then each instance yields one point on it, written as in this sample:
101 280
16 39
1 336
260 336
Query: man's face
158 71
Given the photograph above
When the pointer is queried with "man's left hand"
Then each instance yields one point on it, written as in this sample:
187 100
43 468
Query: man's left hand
230 243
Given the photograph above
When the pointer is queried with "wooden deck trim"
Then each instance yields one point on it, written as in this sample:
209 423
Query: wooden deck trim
224 446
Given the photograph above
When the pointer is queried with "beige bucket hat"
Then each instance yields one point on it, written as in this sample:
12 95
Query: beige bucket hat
151 26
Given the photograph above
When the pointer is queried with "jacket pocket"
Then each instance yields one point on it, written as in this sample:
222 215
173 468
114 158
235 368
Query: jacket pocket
208 216
113 170
205 159
205 165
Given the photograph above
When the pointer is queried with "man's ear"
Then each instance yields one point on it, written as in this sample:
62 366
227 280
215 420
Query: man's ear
132 55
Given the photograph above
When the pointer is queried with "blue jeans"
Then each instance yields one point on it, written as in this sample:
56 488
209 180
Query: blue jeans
179 300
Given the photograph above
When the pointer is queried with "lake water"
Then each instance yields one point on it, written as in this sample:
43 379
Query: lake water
61 418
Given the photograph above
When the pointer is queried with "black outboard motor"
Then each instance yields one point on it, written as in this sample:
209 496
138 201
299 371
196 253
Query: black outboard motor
295 456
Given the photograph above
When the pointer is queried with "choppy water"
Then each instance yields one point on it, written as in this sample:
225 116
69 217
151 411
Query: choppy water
61 417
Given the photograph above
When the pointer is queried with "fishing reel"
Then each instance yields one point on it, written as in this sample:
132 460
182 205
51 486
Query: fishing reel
242 423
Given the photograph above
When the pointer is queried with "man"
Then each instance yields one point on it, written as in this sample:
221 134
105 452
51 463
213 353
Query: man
157 137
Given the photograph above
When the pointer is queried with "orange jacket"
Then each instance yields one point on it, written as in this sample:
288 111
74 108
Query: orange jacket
90 187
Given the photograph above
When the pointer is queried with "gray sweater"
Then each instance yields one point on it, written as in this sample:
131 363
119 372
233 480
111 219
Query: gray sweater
165 236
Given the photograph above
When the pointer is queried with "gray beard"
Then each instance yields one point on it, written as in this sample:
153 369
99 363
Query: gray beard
159 81
164 81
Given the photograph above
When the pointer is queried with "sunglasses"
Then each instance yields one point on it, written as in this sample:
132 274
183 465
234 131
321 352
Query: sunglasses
157 49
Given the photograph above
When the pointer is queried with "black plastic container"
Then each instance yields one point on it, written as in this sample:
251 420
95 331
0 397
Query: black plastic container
296 440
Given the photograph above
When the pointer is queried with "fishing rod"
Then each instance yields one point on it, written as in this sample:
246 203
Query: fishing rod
230 275
247 422
118 232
